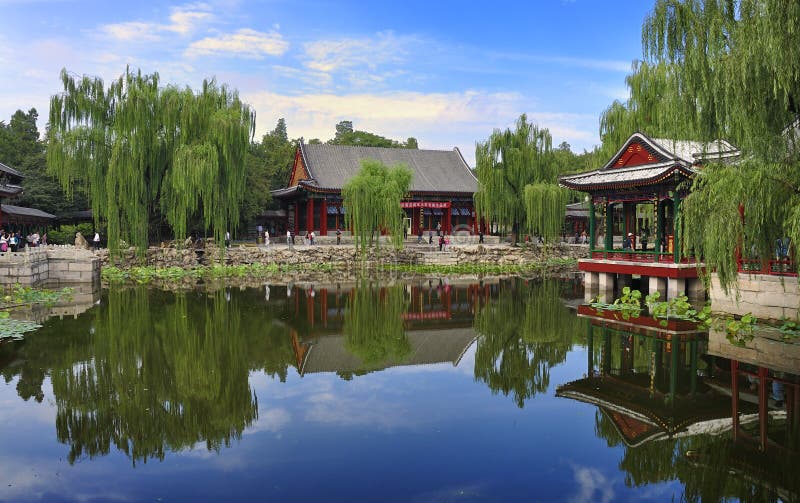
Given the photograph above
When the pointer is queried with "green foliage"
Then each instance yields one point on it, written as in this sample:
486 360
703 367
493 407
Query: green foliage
148 274
740 332
372 201
523 334
678 308
373 325
139 148
346 135
790 330
483 268
517 174
629 304
11 328
65 234
724 69
15 329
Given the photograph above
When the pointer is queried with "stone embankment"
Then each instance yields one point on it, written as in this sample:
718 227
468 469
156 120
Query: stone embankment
49 265
345 257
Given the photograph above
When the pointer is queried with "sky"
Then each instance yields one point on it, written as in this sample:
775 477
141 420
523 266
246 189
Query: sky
446 73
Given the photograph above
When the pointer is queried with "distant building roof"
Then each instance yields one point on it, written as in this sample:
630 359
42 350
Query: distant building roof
329 167
20 211
10 171
329 353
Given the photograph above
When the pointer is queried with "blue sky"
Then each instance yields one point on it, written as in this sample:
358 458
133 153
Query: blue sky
447 73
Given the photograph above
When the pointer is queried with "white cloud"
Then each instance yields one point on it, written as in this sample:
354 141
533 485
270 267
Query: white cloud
182 20
437 120
334 55
245 42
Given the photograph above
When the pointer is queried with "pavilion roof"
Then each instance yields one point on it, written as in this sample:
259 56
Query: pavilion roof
644 162
10 190
8 170
21 211
329 167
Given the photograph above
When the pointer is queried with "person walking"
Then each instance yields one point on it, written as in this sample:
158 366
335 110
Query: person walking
266 238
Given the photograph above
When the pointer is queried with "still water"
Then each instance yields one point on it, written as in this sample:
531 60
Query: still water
419 392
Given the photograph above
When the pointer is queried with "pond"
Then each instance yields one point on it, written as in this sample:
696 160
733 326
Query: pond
426 391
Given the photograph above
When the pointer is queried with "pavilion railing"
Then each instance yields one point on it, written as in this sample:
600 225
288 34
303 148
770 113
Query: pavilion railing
782 267
640 256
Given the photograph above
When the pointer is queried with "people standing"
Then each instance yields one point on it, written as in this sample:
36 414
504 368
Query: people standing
311 238
288 238
266 238
480 236
260 229
3 242
338 236
96 240
227 239
12 242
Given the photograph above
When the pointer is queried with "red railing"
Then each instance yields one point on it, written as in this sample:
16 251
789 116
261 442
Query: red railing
784 267
639 256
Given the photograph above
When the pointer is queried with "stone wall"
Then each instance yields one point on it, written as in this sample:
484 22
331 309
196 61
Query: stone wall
766 349
766 297
49 265
345 257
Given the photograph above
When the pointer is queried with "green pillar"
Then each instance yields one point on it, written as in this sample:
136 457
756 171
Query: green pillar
693 364
609 226
659 225
676 244
591 225
606 359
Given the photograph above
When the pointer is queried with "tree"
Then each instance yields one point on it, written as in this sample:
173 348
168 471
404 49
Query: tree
725 69
372 202
373 326
517 179
346 135
21 149
268 165
140 149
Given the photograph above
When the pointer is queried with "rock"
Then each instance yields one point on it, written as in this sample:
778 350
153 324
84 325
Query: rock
80 241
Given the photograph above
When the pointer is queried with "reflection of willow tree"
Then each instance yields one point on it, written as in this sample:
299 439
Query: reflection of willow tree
524 333
163 375
373 325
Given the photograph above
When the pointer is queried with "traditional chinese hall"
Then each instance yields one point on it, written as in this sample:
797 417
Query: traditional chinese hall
440 196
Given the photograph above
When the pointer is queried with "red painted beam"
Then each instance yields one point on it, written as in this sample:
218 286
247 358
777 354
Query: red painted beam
658 271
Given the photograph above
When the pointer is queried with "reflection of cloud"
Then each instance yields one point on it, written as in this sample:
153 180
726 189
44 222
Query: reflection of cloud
593 486
21 481
245 42
272 420
347 411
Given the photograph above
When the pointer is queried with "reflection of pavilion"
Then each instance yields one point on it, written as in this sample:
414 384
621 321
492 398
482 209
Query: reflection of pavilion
644 378
437 323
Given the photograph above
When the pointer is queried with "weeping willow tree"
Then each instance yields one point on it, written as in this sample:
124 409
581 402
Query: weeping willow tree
372 202
725 69
141 151
373 325
523 334
517 177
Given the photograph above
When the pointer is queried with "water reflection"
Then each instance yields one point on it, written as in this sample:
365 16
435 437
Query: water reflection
525 332
723 427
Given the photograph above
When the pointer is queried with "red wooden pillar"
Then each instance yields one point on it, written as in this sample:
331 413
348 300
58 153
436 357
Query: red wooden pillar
296 218
310 307
763 398
449 220
324 306
310 215
323 218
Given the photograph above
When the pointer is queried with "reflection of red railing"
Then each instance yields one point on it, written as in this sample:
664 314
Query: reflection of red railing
639 256
784 267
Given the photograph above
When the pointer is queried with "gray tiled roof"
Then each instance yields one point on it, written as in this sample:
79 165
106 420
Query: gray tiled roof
21 211
695 151
640 174
11 171
7 189
330 166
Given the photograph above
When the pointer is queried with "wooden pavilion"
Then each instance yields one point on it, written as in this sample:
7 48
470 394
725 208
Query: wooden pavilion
634 224
441 188
18 218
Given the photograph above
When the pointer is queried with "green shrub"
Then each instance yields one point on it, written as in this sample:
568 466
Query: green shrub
65 234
